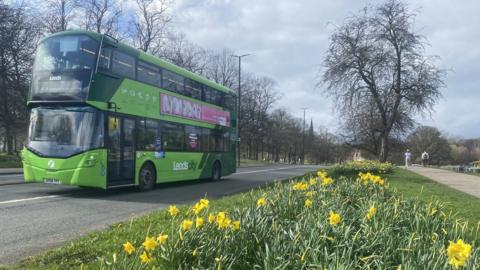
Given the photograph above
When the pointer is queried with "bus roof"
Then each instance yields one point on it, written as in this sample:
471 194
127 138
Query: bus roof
149 58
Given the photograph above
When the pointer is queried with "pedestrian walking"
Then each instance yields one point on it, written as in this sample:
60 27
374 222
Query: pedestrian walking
408 158
425 158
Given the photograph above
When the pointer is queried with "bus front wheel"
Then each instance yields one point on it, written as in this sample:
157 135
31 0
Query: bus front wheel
216 171
147 177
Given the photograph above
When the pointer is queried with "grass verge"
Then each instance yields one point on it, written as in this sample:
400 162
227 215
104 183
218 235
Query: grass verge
10 161
292 235
416 186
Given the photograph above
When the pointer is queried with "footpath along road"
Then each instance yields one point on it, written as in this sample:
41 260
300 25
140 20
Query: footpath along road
36 217
469 184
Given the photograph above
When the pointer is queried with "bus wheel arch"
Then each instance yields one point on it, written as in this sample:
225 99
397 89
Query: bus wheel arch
147 176
216 170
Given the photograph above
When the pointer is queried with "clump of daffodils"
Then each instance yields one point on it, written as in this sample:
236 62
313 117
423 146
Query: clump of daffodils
299 222
366 178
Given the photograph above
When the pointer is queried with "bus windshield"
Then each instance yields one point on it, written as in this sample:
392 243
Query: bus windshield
63 67
62 132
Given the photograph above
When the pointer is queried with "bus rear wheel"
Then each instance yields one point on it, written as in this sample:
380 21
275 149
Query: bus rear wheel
216 171
147 177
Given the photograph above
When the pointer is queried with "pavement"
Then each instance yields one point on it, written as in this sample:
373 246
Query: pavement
36 217
4 171
469 184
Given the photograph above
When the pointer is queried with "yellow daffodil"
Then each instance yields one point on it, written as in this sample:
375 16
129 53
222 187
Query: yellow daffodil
162 238
221 216
433 211
334 218
211 218
173 210
309 194
150 243
144 258
199 206
199 222
458 253
308 203
327 181
312 181
194 253
300 186
236 225
205 202
261 202
371 212
322 174
366 178
187 224
224 223
128 248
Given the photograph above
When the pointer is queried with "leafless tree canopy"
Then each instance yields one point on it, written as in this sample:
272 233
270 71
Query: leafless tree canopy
377 72
58 14
150 25
101 16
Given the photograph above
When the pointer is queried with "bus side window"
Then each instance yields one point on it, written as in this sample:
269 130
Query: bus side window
173 137
105 56
209 95
193 89
147 134
192 138
123 64
172 82
148 73
220 99
205 140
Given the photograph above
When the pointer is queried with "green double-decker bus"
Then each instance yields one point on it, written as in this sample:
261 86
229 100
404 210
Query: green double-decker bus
103 114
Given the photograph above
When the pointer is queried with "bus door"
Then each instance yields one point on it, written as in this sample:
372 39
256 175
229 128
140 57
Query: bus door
121 151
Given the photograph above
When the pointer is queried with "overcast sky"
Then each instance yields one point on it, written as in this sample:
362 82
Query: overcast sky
288 40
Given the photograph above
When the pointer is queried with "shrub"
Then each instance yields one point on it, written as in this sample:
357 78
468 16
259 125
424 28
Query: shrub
355 167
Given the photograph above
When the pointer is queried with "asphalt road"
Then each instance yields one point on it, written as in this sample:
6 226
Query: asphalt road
35 217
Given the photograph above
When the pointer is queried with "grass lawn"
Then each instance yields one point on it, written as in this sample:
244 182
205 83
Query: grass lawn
252 162
411 184
9 161
86 250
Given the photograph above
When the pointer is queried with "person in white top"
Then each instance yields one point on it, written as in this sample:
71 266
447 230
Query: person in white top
408 158
425 158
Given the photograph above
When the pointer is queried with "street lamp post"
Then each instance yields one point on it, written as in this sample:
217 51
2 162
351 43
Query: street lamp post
239 102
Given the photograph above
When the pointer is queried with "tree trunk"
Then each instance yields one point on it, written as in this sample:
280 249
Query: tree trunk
384 148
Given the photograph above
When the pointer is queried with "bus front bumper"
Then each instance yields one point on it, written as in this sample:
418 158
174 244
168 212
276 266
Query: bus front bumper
78 170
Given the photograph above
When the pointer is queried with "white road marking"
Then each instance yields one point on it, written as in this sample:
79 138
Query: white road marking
30 199
276 169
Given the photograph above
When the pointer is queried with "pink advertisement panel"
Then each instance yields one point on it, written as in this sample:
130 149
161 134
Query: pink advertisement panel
184 108
180 107
215 116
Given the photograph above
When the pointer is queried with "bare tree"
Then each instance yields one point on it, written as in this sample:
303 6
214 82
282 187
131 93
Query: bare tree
181 52
58 14
222 68
376 58
101 16
258 97
151 25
